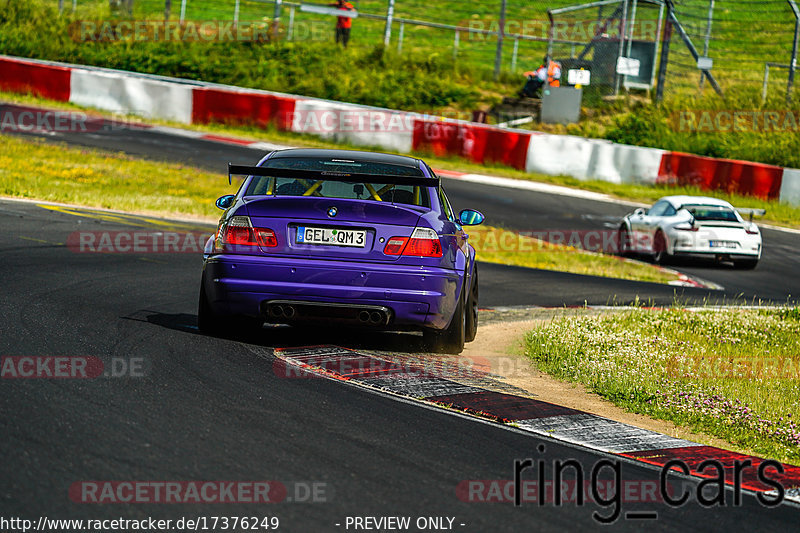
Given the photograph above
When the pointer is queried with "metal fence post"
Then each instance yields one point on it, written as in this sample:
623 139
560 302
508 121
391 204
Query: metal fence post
74 5
387 30
290 31
631 27
276 19
455 46
514 55
183 11
60 6
764 86
707 39
662 66
400 38
793 62
167 9
236 13
623 30
501 30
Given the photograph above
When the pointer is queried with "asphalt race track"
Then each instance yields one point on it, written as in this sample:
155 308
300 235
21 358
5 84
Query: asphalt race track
206 408
202 408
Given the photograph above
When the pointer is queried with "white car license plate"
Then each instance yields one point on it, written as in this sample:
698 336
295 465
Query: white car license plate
331 236
722 244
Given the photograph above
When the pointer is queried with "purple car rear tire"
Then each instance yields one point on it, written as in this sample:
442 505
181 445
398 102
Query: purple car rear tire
211 323
450 340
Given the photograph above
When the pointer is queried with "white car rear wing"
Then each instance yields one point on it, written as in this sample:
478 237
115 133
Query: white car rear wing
751 212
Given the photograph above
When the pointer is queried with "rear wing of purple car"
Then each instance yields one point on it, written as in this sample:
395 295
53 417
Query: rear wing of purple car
331 175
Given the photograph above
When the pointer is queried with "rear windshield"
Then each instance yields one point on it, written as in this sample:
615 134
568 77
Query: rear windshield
352 190
343 165
711 212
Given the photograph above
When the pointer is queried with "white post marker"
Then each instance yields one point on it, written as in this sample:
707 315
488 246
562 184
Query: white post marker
579 76
705 63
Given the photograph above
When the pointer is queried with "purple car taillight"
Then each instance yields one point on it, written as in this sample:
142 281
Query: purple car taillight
424 242
239 231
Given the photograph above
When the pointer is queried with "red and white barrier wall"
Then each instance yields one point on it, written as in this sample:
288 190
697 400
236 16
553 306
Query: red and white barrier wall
131 95
190 102
790 186
587 159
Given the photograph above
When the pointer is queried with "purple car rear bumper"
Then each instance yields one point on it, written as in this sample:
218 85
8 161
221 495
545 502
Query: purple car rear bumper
416 296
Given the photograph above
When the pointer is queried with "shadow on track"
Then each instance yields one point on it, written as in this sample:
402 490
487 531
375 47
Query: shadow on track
281 336
705 263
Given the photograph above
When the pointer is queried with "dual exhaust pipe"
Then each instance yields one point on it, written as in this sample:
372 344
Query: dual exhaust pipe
290 311
374 318
282 311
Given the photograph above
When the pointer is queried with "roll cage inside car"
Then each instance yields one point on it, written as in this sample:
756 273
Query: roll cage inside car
312 180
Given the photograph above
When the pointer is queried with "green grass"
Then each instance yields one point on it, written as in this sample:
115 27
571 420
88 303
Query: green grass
43 171
368 75
733 374
744 35
778 213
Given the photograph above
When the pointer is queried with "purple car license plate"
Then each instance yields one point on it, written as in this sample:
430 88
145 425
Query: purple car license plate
331 236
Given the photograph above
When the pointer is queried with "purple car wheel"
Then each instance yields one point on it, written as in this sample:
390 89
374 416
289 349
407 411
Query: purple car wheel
211 323
207 321
452 339
472 309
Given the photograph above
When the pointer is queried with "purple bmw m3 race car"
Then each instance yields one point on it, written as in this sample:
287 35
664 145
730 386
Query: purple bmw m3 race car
342 237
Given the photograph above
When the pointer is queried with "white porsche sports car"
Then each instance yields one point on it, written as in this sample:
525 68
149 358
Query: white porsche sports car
693 226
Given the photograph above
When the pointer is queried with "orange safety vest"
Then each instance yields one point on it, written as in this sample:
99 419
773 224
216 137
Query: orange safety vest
552 81
551 74
344 22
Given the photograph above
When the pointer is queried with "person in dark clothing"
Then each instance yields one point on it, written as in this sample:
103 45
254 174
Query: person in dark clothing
549 71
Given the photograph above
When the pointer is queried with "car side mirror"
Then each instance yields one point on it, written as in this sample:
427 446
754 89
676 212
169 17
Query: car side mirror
224 202
470 217
639 211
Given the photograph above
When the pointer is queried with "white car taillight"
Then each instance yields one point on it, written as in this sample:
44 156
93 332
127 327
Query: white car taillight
687 227
424 242
239 230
